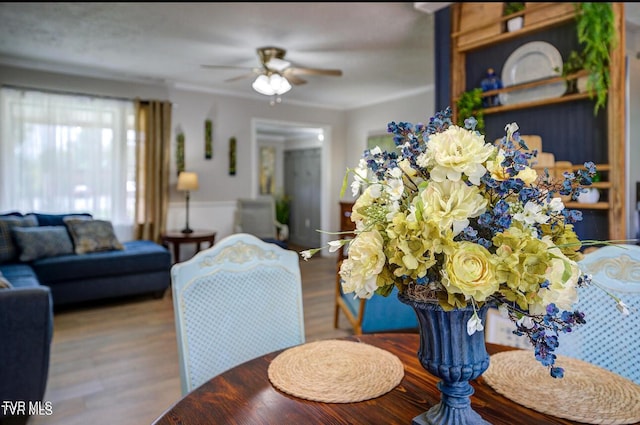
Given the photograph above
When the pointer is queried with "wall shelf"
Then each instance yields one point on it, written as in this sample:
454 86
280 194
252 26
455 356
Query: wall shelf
536 103
478 30
583 206
530 29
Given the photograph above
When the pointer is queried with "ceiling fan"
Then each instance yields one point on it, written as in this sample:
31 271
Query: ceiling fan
276 75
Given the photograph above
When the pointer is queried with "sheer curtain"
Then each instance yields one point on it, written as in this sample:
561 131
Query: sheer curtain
64 153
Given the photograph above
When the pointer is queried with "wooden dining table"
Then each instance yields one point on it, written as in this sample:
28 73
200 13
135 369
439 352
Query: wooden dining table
244 395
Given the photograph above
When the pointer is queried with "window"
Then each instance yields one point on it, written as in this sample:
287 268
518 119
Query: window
64 153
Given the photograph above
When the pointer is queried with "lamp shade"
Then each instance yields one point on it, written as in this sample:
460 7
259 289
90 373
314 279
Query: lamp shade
187 181
271 84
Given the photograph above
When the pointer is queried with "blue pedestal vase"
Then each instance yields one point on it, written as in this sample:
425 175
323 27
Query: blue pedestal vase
448 352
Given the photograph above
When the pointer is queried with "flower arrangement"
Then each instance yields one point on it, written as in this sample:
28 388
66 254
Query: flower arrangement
453 219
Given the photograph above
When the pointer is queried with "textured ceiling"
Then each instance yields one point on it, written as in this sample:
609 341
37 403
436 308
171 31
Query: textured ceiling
383 49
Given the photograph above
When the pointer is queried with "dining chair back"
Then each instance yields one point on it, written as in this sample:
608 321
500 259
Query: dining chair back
234 301
609 339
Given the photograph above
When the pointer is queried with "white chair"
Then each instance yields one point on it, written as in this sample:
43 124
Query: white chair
499 330
258 217
609 339
234 301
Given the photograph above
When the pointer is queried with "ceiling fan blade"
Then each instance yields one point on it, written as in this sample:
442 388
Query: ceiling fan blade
296 81
226 67
241 77
296 70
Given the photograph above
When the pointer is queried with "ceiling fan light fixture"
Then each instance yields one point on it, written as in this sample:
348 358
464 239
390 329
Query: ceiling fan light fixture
270 85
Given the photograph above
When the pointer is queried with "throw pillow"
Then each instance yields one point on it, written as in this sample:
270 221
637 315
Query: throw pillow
92 236
8 249
42 241
56 219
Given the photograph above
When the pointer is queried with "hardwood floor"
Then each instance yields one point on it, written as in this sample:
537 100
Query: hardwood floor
117 362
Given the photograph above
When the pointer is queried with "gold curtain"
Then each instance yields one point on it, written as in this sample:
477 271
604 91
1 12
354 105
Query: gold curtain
153 148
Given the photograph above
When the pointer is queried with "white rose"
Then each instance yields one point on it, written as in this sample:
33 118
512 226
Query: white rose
458 151
451 204
360 270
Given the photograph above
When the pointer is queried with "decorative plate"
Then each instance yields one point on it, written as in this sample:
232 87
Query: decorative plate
532 61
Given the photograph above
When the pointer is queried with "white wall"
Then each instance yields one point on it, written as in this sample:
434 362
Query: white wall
369 120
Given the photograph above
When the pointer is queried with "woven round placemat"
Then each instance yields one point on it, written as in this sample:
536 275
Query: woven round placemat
587 393
334 371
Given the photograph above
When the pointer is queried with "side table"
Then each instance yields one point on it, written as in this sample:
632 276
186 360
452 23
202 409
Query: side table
177 238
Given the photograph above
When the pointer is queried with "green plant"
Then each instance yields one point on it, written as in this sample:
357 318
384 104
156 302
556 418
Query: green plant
595 26
470 105
511 8
283 208
573 64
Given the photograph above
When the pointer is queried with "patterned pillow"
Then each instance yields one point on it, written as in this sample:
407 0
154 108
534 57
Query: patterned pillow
8 249
41 242
92 235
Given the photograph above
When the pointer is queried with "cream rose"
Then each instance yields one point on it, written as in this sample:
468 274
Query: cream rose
365 262
470 271
458 151
451 204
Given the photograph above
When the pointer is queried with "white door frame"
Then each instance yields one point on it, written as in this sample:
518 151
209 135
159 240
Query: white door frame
325 149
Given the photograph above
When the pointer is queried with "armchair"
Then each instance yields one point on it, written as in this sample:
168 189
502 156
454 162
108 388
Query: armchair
377 314
258 217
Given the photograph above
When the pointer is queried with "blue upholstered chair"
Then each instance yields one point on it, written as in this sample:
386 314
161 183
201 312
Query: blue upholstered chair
609 339
237 300
376 314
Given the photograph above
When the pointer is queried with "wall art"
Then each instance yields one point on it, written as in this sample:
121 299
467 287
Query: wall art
232 156
208 139
179 153
267 170
383 141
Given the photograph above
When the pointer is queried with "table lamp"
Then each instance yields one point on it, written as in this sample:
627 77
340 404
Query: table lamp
187 181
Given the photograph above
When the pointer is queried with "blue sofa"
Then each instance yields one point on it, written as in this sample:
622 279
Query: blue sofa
63 278
26 329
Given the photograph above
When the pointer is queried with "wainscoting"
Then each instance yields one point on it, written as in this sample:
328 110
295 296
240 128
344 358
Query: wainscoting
216 216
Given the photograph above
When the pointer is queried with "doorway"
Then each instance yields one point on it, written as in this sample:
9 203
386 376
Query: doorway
302 173
302 152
